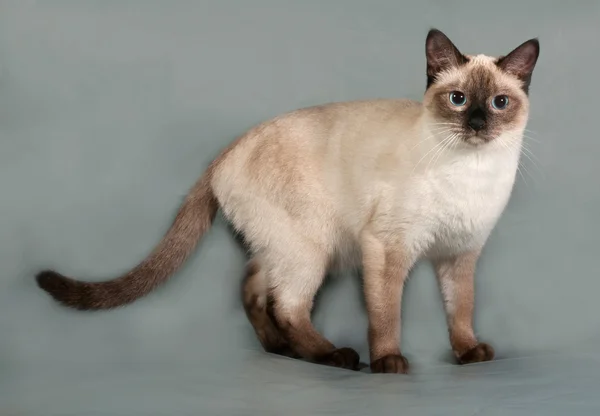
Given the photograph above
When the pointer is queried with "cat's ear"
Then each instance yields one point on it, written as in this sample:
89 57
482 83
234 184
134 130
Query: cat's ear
521 61
441 54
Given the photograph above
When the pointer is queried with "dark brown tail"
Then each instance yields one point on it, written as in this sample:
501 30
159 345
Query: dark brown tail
194 218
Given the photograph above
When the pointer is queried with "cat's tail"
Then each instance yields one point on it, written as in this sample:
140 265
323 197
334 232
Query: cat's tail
194 218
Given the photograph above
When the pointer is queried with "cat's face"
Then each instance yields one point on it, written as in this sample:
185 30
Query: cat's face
477 100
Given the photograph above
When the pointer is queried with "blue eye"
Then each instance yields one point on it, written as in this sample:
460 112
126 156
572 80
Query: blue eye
457 98
500 102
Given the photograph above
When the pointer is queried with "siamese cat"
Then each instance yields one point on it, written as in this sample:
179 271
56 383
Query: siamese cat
377 184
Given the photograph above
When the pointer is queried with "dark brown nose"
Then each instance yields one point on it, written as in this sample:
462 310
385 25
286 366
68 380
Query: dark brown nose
476 123
476 118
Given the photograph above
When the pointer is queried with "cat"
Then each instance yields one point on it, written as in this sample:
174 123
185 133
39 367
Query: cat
378 184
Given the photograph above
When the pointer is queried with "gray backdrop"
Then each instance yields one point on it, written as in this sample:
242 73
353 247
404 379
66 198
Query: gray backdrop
110 110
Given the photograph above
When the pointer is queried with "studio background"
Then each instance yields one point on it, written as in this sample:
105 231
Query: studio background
109 111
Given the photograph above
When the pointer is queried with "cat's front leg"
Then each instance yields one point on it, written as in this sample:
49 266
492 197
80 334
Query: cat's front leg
385 270
455 276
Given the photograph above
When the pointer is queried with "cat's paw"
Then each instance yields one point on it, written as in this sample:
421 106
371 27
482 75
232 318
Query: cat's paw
480 353
342 358
394 364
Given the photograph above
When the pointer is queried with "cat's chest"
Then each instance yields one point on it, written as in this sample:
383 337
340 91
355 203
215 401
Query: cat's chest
453 208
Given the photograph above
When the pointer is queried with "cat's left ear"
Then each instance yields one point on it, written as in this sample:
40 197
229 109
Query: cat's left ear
521 61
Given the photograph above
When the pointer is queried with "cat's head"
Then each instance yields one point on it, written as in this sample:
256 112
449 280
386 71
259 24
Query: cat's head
477 99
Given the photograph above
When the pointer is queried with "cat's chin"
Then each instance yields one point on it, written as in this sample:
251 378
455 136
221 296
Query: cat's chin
477 140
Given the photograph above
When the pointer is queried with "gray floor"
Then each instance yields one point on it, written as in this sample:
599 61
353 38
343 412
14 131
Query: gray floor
109 111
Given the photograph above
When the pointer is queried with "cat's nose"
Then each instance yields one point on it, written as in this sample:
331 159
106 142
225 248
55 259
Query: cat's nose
476 123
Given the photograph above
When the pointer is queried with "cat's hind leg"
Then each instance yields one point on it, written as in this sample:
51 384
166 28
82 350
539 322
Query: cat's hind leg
293 284
258 304
291 237
278 298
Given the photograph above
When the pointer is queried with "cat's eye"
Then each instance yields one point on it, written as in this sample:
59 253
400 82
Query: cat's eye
500 102
458 98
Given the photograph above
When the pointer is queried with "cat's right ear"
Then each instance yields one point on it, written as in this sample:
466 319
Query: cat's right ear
441 54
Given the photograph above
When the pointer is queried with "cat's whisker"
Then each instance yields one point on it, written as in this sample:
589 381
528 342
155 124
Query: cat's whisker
448 145
422 141
513 143
512 146
521 166
526 170
446 124
531 138
429 138
530 131
500 145
521 173
437 152
533 163
528 150
434 129
437 129
425 155
442 127
440 150
527 153
451 143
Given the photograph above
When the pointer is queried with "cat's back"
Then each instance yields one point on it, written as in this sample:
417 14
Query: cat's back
348 129
306 135
343 114
351 113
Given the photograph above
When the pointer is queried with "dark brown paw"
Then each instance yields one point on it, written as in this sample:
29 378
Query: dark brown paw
481 352
342 358
394 364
